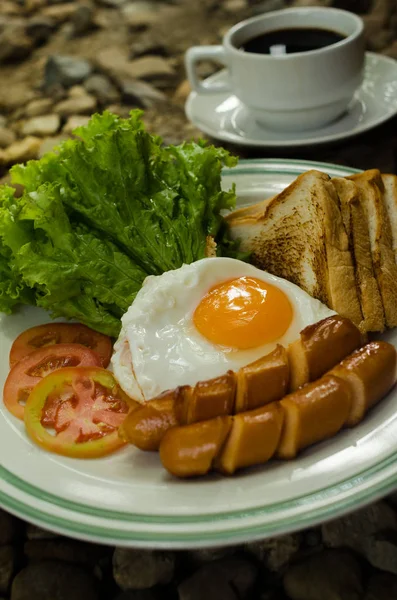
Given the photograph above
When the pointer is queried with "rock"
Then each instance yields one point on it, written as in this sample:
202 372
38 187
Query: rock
381 586
16 95
112 3
66 70
42 126
7 567
115 64
14 43
77 91
38 107
182 92
7 528
140 569
140 595
139 15
328 575
53 581
150 67
226 579
268 6
40 29
59 13
3 123
140 93
20 151
276 553
150 45
7 137
82 19
8 7
371 532
102 88
82 105
391 50
75 121
234 6
65 550
205 555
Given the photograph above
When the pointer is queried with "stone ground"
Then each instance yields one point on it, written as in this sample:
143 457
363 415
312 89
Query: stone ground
60 61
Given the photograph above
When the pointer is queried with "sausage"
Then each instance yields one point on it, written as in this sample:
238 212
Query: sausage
370 373
208 399
314 413
190 450
263 381
320 347
145 426
253 438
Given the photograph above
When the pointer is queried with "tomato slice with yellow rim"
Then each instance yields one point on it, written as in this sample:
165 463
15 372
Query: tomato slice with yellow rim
26 373
60 333
76 412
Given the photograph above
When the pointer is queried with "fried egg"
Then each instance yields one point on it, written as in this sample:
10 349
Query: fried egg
199 321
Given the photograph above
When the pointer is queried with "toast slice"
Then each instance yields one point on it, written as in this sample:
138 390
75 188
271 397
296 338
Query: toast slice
300 236
372 190
390 198
357 231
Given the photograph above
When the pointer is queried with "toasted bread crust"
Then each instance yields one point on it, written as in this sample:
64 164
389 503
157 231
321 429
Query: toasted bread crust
357 231
371 185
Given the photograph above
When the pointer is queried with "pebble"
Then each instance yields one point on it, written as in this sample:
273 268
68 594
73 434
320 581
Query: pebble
139 15
37 533
140 93
7 137
328 575
3 123
370 532
102 88
206 555
17 95
275 554
75 121
65 550
7 567
82 19
77 91
115 63
20 151
59 12
140 595
112 3
234 6
49 145
391 50
38 107
14 43
40 28
66 70
381 586
150 45
81 105
42 126
182 92
226 579
53 581
141 569
268 6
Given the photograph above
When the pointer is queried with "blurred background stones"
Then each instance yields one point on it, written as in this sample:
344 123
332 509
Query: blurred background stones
63 60
352 558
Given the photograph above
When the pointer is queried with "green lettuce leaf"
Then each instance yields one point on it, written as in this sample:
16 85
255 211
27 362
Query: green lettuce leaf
102 212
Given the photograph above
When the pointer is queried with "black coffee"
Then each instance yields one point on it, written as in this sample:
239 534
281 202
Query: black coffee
290 41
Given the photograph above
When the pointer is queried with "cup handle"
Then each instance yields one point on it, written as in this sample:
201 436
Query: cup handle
195 55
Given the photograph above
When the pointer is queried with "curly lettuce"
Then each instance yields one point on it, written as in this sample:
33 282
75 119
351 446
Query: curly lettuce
101 213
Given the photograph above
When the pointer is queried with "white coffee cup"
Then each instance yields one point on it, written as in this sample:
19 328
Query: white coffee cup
290 92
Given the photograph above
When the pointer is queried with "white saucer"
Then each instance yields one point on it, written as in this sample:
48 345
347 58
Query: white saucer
225 118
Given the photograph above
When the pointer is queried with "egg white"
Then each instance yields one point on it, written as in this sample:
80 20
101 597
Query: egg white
159 347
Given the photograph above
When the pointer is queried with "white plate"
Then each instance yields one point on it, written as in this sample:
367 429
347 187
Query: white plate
128 499
224 117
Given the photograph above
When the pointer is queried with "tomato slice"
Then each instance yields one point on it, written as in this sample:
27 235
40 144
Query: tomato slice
61 333
83 407
26 373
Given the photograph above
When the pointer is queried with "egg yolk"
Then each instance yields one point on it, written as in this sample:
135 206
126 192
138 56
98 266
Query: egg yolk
243 313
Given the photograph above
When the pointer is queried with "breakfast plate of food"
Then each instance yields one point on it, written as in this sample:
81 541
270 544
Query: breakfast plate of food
195 352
